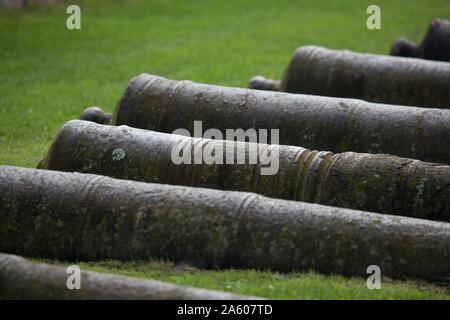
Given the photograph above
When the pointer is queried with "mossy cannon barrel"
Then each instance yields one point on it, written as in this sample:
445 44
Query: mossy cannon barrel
23 279
379 183
313 122
377 78
73 216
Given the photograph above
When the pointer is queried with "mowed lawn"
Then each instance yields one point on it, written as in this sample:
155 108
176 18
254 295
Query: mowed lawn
49 74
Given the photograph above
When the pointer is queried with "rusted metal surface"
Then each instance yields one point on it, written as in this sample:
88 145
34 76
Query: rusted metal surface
377 78
72 216
379 183
312 122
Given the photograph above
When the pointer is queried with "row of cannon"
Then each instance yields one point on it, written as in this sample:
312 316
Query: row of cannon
358 183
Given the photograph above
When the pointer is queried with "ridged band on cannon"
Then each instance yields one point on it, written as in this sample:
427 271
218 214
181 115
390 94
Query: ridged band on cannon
379 183
312 122
73 216
377 78
23 279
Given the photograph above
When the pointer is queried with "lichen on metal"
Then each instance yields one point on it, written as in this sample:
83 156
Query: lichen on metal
73 216
378 78
313 122
372 182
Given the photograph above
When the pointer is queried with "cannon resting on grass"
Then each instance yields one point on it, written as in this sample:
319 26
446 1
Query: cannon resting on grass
383 79
378 183
434 46
24 279
73 216
312 122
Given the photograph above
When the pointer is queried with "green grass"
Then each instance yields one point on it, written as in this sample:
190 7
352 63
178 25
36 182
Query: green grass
48 74
269 285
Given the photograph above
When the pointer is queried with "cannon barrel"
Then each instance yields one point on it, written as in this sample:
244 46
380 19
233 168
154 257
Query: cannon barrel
378 183
73 216
24 279
371 77
312 122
